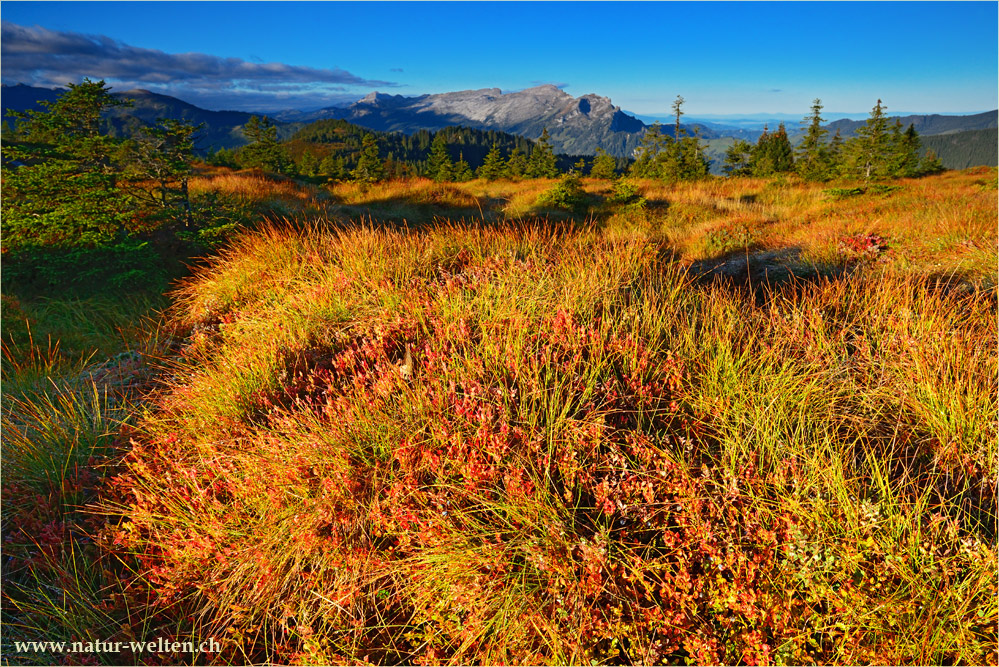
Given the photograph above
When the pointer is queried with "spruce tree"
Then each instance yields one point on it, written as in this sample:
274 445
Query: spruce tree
439 166
678 111
907 151
761 163
813 155
692 160
930 164
604 165
309 165
333 167
264 151
162 154
869 153
369 167
835 155
780 148
462 170
650 153
516 164
737 158
542 163
492 166
67 191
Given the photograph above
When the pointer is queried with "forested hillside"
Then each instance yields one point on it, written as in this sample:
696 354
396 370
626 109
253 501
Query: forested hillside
333 148
961 150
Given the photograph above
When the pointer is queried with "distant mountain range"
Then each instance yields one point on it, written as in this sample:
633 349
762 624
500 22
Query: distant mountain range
927 124
576 125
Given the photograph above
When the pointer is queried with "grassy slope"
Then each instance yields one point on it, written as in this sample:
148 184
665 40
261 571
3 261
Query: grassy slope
601 453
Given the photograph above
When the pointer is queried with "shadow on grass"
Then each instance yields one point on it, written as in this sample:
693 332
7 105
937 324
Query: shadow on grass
763 270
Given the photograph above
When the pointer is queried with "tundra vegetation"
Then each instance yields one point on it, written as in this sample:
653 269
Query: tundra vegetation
652 419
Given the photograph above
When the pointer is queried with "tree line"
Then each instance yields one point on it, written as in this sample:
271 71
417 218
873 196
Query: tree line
879 150
336 150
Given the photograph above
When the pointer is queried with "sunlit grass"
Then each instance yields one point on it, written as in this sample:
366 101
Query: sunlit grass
602 454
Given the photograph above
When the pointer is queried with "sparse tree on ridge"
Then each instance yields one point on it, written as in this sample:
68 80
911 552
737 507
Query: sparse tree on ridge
678 111
67 191
773 153
835 155
462 170
868 154
163 154
650 152
737 158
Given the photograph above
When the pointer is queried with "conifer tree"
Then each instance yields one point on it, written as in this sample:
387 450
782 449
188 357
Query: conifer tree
813 154
162 154
678 111
264 151
439 166
907 150
516 164
67 191
492 166
542 163
369 167
604 165
773 153
309 164
930 164
650 153
462 170
761 162
869 153
780 148
693 163
737 158
333 167
835 155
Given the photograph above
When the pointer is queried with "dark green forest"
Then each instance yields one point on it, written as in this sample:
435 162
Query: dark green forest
960 150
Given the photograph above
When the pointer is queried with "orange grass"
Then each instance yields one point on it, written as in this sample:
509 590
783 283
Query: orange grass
600 454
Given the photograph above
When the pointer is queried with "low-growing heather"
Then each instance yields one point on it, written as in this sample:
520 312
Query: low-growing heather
533 442
591 459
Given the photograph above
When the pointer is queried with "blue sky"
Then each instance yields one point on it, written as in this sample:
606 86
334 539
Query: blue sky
724 58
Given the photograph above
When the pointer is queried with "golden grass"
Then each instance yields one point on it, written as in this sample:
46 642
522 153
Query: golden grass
579 401
601 455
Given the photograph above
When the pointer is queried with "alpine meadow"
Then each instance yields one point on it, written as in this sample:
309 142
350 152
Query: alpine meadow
298 372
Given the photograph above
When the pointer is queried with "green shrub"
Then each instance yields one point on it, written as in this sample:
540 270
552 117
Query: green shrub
567 194
626 192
